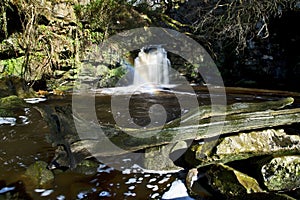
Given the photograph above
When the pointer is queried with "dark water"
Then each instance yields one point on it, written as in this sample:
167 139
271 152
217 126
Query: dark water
24 142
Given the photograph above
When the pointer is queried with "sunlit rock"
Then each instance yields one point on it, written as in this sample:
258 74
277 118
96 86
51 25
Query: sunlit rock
245 145
231 182
282 173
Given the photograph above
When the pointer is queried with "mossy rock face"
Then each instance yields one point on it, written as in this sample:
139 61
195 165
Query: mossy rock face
231 182
282 173
12 85
39 173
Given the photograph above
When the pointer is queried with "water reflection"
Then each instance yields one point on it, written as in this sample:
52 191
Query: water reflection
23 140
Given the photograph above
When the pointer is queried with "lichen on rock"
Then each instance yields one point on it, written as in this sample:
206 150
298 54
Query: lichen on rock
39 173
282 173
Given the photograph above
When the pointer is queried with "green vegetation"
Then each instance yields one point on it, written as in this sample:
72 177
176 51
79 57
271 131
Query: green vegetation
57 35
4 6
9 103
12 66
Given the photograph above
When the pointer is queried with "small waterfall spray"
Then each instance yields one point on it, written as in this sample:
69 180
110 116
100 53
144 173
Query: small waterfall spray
152 66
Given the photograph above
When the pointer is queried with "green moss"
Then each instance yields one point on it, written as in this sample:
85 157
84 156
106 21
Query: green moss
12 66
8 104
11 102
109 78
5 113
39 173
282 173
87 167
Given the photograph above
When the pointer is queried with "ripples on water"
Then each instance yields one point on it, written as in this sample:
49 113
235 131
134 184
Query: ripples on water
23 141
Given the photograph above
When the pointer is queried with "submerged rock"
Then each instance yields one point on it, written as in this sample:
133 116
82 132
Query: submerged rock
282 173
246 145
160 158
39 173
70 150
87 167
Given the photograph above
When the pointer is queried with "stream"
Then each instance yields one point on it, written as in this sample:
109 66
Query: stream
24 141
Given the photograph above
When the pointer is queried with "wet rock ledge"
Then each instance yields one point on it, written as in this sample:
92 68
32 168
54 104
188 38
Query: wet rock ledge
256 155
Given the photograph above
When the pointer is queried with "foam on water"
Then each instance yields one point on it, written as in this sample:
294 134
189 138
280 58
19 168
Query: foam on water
8 121
6 189
104 194
34 100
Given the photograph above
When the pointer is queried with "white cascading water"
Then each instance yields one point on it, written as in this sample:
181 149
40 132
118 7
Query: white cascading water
152 66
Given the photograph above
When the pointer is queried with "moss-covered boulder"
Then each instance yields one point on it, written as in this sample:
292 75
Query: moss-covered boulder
282 173
39 174
9 103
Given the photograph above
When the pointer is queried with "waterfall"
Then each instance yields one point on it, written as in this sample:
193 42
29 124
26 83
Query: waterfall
152 66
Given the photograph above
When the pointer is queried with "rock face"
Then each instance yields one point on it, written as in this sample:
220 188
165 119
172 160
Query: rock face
282 173
52 38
